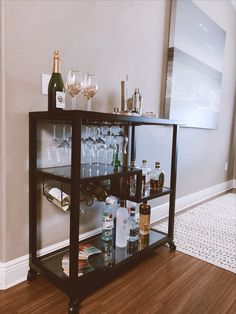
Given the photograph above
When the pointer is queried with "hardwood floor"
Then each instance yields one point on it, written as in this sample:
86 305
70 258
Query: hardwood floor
166 283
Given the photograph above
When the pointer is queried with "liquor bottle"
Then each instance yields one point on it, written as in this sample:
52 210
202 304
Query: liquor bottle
144 219
133 178
94 192
56 89
121 225
145 178
157 178
133 226
107 222
57 197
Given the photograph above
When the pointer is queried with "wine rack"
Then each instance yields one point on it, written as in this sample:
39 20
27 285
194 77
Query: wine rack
76 174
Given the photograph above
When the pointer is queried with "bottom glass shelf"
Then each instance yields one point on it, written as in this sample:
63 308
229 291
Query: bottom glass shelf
109 258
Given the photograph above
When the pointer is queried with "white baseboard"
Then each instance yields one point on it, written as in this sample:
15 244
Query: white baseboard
15 271
162 211
234 184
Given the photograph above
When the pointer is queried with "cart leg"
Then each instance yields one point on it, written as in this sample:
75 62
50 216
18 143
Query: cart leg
32 274
172 246
73 307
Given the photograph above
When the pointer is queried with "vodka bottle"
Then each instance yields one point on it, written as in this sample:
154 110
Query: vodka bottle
133 226
157 178
121 225
144 216
145 178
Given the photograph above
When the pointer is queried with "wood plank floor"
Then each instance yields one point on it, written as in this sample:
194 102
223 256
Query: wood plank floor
166 283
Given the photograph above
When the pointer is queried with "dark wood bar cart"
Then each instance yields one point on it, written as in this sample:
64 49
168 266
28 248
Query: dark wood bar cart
50 264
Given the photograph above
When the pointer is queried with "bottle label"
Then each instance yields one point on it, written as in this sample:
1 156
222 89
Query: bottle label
144 224
60 100
107 222
57 194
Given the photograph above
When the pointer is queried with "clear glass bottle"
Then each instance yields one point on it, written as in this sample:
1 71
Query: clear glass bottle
133 178
157 178
107 222
121 225
133 226
57 197
145 178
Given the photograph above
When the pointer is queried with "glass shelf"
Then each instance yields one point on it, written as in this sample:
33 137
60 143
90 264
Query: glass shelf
152 195
101 262
88 173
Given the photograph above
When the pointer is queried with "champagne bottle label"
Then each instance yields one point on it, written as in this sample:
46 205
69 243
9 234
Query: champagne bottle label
60 100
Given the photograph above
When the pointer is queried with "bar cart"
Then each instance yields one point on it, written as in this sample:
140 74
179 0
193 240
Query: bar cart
49 265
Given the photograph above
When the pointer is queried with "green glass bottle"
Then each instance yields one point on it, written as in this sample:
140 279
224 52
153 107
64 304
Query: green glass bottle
56 89
116 161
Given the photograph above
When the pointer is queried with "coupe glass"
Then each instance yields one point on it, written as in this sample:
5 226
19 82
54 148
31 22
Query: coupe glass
90 87
74 84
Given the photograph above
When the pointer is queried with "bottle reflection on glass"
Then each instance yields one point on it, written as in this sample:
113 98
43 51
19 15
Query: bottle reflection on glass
107 254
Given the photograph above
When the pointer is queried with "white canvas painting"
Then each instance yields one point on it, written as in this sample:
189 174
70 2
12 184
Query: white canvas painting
195 63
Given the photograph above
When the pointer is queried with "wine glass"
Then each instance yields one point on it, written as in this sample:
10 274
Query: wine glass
90 87
74 84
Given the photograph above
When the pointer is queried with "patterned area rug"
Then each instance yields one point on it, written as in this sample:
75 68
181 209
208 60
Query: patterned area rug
208 232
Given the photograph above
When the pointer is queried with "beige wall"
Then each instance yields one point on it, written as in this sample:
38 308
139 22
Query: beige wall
111 38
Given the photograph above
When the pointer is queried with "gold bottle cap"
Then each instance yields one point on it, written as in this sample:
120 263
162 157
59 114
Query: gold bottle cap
56 54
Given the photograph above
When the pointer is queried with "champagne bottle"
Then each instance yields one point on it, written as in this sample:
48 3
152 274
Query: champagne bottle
56 89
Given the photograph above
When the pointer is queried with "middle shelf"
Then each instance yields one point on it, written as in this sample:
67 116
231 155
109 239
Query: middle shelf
95 173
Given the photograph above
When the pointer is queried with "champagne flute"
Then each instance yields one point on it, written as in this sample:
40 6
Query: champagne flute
90 87
74 84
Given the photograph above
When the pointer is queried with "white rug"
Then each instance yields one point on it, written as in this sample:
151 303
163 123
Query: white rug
208 232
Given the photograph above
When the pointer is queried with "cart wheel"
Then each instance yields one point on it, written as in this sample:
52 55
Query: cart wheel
172 246
32 274
73 306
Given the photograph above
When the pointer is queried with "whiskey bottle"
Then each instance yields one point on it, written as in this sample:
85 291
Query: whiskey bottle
157 178
144 219
56 89
145 178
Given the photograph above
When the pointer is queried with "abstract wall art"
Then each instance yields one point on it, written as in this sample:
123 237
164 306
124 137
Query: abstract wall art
195 64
